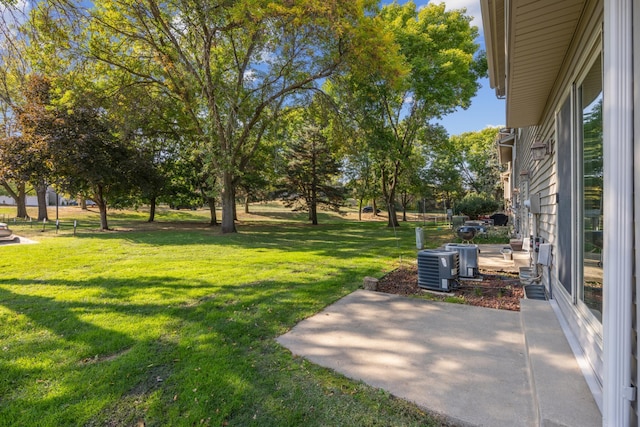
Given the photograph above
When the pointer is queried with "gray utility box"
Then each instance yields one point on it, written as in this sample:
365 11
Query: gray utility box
468 256
437 270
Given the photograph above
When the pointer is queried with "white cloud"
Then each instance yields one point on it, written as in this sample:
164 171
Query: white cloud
472 6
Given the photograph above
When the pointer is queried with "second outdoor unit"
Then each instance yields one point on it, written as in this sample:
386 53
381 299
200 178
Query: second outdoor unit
468 255
437 270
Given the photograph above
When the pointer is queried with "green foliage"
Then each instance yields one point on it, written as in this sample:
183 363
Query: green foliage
476 158
441 172
310 176
432 71
231 66
473 205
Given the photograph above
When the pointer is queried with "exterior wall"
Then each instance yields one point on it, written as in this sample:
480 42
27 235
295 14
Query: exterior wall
33 200
543 183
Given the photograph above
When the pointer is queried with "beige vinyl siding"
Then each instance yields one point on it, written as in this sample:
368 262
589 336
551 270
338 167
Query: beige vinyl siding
543 175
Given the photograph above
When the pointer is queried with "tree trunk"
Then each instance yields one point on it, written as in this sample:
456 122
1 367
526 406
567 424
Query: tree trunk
360 209
405 202
246 204
389 193
211 201
21 201
393 216
313 206
41 192
152 209
390 197
228 204
19 196
102 206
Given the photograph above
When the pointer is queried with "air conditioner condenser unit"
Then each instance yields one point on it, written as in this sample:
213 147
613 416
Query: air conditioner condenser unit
438 270
468 256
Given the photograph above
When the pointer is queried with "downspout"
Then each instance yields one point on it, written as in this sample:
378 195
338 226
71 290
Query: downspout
509 135
618 392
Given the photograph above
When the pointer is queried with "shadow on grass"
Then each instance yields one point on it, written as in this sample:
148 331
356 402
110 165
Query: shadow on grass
77 362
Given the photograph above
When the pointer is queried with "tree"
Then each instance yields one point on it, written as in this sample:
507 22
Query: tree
30 155
255 180
359 172
474 205
439 74
311 172
411 186
89 159
232 65
476 158
444 178
13 70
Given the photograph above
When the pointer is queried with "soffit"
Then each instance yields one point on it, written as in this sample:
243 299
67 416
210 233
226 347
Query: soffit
539 33
494 35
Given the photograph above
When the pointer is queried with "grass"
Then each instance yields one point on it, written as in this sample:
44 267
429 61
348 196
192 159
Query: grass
175 324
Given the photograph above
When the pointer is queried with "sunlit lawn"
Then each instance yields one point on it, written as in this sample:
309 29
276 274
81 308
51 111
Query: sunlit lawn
175 324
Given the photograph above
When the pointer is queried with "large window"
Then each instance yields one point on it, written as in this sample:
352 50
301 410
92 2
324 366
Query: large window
591 188
580 187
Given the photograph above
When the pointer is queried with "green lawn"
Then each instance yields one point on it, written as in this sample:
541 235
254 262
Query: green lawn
175 324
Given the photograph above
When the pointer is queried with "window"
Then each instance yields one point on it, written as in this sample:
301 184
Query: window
590 188
580 190
565 142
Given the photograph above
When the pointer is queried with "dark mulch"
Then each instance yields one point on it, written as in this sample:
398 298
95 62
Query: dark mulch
500 290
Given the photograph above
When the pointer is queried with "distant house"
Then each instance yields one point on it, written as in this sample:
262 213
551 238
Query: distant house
570 73
50 198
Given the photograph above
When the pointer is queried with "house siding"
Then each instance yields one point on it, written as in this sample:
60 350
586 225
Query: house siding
543 182
598 34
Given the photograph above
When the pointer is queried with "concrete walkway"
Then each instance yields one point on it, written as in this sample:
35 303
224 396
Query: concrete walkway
465 363
472 365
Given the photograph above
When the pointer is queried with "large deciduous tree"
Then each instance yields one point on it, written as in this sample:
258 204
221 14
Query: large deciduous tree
476 158
13 70
232 65
31 157
89 159
439 73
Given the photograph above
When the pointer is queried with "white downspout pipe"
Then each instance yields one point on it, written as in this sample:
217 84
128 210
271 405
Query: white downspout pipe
618 212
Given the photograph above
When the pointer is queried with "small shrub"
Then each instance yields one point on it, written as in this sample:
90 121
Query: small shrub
473 205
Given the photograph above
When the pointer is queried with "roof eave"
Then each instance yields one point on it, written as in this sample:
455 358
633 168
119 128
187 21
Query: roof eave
494 31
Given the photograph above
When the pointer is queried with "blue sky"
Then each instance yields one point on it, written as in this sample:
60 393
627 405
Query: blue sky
486 109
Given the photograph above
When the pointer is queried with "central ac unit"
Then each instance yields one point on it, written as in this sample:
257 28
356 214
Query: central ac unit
468 255
437 270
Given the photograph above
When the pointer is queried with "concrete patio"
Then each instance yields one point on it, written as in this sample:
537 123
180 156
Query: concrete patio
474 366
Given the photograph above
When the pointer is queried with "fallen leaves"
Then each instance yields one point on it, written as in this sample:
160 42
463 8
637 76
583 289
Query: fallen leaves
493 289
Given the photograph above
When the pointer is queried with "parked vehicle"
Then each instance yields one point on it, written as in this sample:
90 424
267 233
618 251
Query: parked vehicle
369 209
5 231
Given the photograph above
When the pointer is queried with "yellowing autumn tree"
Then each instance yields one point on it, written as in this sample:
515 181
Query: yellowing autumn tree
233 65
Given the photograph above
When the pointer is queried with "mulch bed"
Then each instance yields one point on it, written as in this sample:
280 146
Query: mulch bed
495 289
